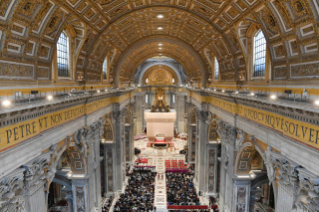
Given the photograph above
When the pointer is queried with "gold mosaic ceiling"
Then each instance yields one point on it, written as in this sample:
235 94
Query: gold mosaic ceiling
29 30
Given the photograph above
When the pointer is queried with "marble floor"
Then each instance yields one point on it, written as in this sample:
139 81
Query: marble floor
153 154
156 157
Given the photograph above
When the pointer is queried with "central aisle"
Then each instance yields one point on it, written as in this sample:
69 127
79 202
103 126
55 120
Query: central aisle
160 183
156 157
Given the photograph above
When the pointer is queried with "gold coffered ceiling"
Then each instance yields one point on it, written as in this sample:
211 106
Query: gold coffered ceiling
29 30
139 55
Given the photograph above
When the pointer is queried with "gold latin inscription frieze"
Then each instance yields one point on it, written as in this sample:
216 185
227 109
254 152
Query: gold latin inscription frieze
13 134
301 131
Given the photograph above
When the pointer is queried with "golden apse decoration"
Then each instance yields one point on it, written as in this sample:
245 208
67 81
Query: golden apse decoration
160 75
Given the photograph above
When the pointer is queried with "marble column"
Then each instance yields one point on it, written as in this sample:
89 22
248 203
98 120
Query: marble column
241 195
117 118
287 182
9 197
80 195
203 121
131 136
223 170
123 142
297 187
108 169
191 142
139 112
180 105
228 134
309 194
94 164
196 146
213 169
34 183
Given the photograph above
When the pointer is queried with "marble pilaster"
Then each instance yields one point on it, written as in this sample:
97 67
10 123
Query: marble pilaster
180 105
213 169
119 148
34 183
11 192
80 195
287 182
204 120
242 195
139 102
227 134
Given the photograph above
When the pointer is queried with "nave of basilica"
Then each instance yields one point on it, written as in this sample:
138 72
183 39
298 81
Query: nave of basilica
159 105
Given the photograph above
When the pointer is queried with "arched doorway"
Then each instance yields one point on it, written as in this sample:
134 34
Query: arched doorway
60 190
250 164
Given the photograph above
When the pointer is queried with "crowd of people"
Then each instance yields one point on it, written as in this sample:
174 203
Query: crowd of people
180 189
107 206
139 193
189 210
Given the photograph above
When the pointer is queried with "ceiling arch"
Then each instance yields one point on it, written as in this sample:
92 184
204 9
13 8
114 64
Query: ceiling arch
159 64
145 51
29 30
179 23
196 17
165 39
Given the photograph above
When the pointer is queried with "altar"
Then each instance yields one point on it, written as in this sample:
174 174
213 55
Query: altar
160 123
160 120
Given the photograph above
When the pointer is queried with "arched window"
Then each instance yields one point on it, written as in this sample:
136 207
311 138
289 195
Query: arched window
105 69
146 81
259 55
173 80
216 69
63 55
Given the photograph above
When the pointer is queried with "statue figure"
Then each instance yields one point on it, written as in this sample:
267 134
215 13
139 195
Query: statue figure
269 164
240 139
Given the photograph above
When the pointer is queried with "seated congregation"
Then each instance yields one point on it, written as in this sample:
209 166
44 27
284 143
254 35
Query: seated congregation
139 193
189 210
180 189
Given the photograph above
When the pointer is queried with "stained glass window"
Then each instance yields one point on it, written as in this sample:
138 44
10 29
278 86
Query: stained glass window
62 47
260 55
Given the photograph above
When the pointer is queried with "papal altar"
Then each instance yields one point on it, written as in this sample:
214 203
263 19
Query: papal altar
160 123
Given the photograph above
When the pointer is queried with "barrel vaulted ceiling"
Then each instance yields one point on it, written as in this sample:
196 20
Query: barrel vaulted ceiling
144 52
29 30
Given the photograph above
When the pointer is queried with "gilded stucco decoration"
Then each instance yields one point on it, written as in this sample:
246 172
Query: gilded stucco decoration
160 75
29 31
